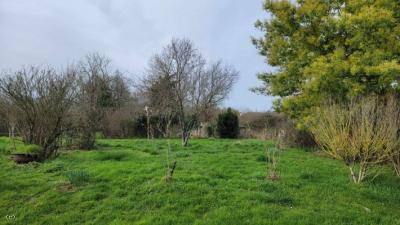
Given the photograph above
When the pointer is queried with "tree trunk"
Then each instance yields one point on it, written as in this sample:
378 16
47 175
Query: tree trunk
360 176
185 138
12 131
397 169
396 166
353 175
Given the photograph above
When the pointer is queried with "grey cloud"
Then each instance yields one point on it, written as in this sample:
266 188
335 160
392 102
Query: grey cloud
53 32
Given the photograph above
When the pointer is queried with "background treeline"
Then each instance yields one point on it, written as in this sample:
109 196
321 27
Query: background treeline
129 120
179 95
72 107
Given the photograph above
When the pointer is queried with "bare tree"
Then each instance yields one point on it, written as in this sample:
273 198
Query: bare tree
93 97
39 100
101 91
120 110
8 115
192 87
159 94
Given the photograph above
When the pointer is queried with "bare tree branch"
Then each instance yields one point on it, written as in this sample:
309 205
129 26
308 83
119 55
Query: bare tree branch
179 81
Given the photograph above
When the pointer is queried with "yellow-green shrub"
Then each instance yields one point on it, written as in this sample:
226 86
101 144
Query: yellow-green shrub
362 133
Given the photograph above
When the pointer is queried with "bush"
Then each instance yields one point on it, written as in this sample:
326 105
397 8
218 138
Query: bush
210 131
38 101
228 124
99 135
266 126
362 134
394 117
140 126
262 125
292 137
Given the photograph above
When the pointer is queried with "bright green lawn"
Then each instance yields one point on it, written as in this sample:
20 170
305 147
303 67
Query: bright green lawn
216 182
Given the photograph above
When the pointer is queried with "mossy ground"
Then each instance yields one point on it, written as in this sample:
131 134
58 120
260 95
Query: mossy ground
215 182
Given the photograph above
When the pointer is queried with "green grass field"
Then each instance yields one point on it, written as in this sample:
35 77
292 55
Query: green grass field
215 182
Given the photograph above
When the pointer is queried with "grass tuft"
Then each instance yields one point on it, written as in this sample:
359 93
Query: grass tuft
78 177
55 168
116 156
261 158
308 176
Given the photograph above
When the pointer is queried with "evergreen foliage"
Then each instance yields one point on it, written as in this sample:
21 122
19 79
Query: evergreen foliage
228 124
332 50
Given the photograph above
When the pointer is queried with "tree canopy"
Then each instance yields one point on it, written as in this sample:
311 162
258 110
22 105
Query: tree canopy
328 50
185 85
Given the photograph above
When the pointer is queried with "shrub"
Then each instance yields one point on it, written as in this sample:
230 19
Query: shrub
266 126
210 131
99 135
291 136
394 117
362 133
140 126
78 177
38 101
262 125
228 124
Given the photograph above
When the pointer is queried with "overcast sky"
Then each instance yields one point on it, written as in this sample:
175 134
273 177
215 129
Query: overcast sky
54 32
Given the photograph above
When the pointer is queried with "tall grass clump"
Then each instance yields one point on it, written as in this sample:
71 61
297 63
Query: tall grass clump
115 156
272 157
33 149
272 160
78 177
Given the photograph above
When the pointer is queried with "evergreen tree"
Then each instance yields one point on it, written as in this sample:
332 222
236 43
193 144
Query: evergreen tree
328 50
228 124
